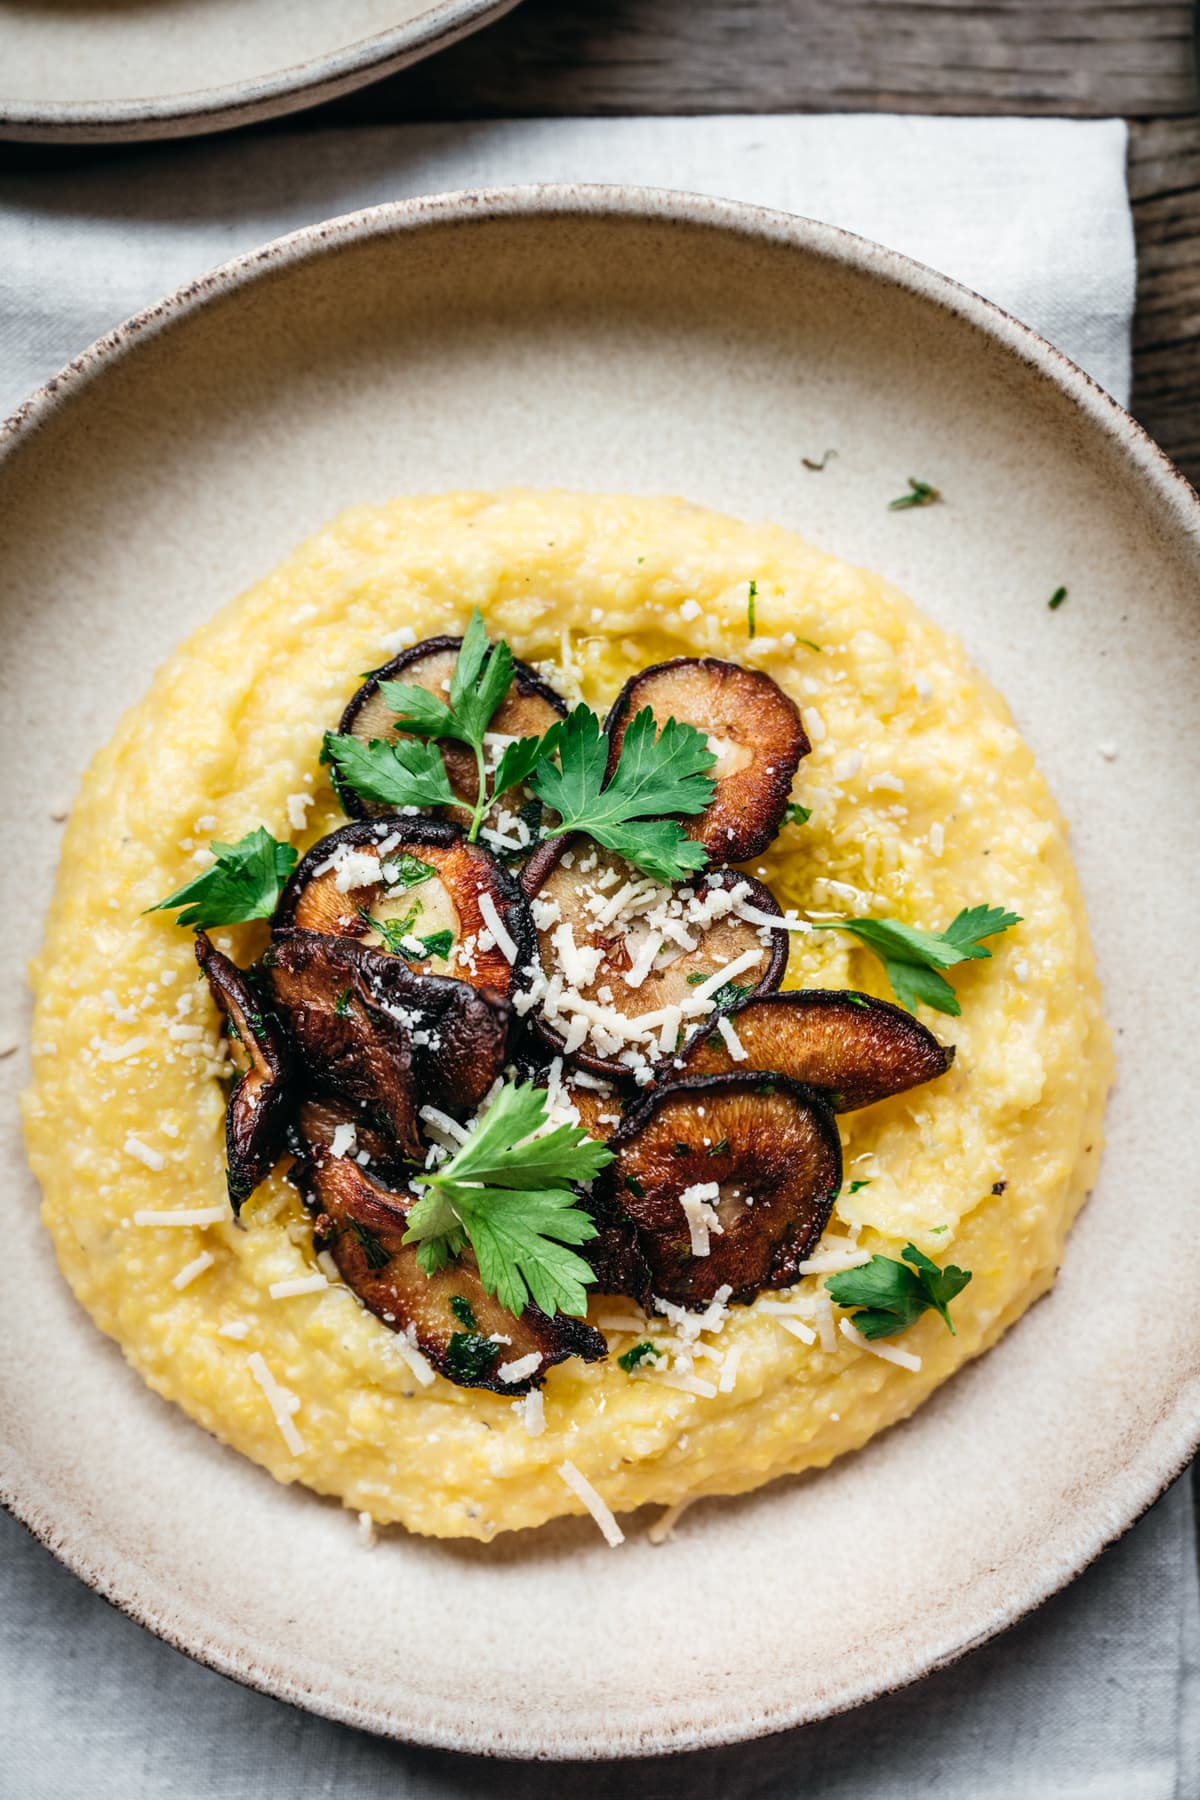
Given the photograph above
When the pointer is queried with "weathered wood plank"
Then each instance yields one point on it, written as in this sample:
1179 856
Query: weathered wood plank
1082 58
1164 185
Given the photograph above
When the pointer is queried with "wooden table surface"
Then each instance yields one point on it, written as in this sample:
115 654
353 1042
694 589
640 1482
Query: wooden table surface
1073 58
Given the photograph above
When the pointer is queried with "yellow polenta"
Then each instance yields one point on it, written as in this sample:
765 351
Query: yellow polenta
924 799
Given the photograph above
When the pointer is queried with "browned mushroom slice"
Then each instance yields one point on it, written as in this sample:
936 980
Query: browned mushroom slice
630 963
730 1180
529 709
414 888
257 1114
370 1029
754 730
464 1332
343 1040
856 1049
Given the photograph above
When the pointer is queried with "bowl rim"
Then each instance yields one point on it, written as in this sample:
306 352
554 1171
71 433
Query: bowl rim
289 89
1175 1436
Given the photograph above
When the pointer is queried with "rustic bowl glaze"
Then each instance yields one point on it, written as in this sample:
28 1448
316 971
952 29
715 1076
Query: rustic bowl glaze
618 339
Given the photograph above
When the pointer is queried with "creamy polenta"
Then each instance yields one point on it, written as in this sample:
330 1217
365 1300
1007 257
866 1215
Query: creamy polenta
923 800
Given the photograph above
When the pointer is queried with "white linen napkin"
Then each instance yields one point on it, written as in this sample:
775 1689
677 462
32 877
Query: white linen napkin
1096 1695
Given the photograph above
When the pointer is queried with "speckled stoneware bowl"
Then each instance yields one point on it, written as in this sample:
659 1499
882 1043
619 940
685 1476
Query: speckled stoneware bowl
628 340
113 71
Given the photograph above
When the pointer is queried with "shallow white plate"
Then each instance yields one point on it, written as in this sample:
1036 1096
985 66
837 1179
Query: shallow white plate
622 340
112 71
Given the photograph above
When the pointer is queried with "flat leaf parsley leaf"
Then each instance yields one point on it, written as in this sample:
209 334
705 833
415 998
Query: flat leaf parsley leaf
657 773
244 883
911 957
895 1294
508 1194
633 1358
405 773
410 772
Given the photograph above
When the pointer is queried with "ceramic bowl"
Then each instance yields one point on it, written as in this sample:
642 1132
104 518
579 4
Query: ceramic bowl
628 340
116 71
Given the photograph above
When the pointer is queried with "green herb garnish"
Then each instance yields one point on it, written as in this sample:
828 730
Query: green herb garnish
895 1294
657 773
470 1357
911 958
795 814
509 1196
244 883
341 1005
376 1252
636 1355
1056 599
438 943
919 494
751 610
635 1187
411 772
405 871
463 1311
720 1148
731 993
862 1182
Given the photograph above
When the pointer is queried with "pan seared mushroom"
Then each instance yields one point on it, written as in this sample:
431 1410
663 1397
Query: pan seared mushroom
465 1333
344 1040
257 1114
629 963
753 729
730 1180
854 1048
413 887
529 709
371 1030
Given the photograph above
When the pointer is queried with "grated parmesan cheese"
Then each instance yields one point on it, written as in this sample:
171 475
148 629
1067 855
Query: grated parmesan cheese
152 1159
903 1359
191 1270
299 1284
521 1369
281 1401
531 1410
663 1527
733 1042
583 1490
490 914
700 1213
183 1215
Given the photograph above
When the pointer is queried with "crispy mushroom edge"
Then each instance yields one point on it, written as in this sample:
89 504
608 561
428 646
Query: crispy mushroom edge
762 1244
851 1047
261 1100
748 806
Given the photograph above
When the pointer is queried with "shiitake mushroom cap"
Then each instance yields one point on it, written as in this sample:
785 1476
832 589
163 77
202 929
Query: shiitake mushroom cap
769 1139
260 1103
545 878
345 1042
854 1048
363 1224
387 1039
529 709
757 724
464 872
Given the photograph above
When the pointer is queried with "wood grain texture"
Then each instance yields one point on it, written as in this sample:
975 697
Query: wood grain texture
1073 58
1164 184
1083 58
